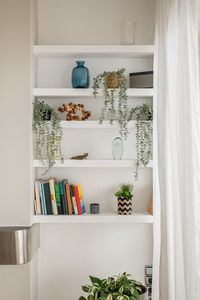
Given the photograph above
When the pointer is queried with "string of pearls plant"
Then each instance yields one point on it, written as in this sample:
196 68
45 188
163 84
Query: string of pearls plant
113 82
48 133
116 81
143 114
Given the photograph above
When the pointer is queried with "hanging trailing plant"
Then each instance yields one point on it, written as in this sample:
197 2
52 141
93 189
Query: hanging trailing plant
113 81
143 114
48 133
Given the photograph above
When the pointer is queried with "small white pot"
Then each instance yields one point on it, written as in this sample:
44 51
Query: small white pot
144 296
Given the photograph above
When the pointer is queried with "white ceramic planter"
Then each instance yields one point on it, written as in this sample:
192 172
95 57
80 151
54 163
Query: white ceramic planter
144 296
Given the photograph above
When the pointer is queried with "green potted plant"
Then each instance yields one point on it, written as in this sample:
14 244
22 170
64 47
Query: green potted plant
111 82
114 288
48 133
143 114
124 196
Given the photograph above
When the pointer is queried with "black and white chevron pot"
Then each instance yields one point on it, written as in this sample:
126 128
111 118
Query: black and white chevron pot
124 206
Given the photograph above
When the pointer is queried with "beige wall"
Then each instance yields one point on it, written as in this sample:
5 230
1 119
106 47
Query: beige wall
19 282
15 112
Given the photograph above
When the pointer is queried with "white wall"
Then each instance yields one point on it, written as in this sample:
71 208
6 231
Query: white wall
19 282
70 253
16 282
15 112
93 21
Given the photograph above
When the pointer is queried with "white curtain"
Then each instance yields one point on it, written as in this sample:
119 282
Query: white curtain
177 152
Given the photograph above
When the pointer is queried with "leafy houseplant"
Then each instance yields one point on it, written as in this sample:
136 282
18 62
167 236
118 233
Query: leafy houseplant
113 288
143 114
48 132
124 196
112 81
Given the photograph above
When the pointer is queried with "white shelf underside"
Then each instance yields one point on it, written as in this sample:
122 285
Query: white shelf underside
98 219
98 51
93 124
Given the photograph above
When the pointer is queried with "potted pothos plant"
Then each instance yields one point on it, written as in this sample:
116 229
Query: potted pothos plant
113 82
48 133
125 196
114 288
143 114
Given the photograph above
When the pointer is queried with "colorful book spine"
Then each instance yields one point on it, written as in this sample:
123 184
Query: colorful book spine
65 182
58 202
69 202
47 196
44 209
37 198
34 206
78 200
53 196
73 197
62 200
81 199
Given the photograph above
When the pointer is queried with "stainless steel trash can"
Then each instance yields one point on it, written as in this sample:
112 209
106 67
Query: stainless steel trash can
18 244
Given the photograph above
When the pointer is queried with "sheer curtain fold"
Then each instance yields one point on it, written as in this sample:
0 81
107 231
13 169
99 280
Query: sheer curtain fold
177 152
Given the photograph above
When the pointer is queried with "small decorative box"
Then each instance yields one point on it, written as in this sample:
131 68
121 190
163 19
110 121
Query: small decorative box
94 208
141 80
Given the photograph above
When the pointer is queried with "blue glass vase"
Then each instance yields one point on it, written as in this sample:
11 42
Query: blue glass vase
80 76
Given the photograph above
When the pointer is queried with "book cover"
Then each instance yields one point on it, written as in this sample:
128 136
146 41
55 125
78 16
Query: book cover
53 196
34 206
73 197
47 196
43 203
69 201
78 200
65 182
37 198
62 200
58 202
81 199
150 210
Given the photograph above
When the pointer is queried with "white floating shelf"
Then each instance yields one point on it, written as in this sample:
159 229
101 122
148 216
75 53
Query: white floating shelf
70 92
99 51
93 124
86 163
98 219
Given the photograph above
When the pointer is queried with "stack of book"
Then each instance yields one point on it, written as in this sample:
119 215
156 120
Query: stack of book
57 197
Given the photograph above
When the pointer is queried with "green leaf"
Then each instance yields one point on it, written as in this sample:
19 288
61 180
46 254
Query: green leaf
136 295
86 288
95 280
82 298
109 281
139 289
125 297
90 297
120 298
109 297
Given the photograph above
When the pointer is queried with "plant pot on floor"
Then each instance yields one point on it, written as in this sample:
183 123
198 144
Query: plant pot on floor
141 297
124 206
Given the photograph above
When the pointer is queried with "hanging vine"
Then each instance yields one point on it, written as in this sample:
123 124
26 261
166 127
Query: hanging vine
113 82
143 114
48 133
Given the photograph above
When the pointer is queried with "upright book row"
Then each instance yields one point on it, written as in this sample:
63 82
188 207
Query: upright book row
55 197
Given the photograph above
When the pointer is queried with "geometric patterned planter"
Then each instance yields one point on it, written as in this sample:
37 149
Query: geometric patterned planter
124 206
